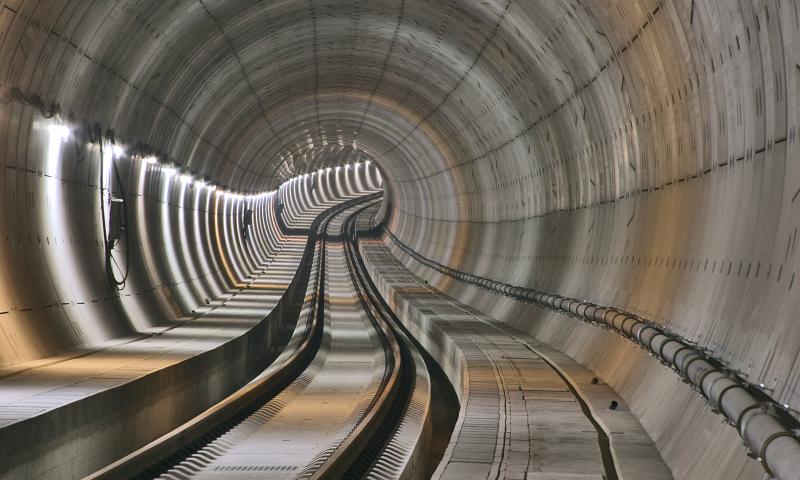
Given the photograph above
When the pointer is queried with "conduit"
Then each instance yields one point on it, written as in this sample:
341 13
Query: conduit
769 432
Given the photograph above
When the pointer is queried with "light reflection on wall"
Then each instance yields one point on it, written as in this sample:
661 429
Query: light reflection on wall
183 246
148 171
230 251
186 246
65 263
200 215
303 195
237 240
222 247
178 279
208 218
189 263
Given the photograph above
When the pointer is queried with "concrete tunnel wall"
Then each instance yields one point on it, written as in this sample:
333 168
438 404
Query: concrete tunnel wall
182 239
638 153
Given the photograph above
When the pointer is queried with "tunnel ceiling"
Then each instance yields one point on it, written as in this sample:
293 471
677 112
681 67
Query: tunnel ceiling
253 92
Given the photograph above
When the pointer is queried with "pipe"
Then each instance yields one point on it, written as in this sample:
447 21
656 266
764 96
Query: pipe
770 436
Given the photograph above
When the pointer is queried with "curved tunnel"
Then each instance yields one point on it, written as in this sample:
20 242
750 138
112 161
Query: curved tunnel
637 155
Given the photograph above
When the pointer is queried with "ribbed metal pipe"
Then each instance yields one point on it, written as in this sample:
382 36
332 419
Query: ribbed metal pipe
770 438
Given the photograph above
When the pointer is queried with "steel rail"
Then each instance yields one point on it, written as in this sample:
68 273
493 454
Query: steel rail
365 445
171 448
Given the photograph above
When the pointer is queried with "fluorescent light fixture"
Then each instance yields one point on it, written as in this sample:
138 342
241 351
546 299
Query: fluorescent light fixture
118 151
186 178
150 160
168 170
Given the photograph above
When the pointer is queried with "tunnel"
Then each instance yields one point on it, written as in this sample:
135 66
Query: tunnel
456 239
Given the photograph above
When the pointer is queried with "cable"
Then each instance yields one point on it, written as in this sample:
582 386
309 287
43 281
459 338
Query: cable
34 101
95 136
118 284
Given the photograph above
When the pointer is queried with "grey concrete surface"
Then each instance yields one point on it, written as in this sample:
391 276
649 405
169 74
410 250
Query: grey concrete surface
299 429
67 415
519 417
73 415
635 153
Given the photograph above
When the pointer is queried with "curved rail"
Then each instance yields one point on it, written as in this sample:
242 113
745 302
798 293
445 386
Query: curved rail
389 432
168 450
361 453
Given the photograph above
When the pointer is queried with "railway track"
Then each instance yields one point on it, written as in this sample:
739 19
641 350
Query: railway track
349 397
353 394
523 415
